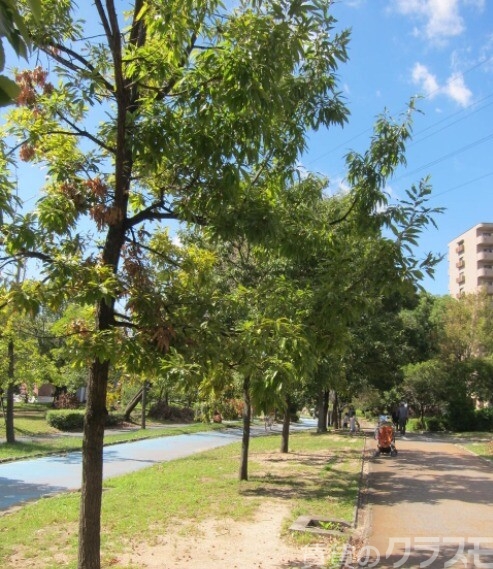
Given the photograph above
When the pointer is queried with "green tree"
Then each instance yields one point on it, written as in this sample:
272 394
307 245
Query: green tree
448 346
359 277
465 326
425 385
419 336
253 333
203 114
313 293
23 362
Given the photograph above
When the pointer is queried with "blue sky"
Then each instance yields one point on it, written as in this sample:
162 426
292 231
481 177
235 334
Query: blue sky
443 51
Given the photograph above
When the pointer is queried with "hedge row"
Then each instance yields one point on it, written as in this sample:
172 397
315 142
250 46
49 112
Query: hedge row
463 419
73 420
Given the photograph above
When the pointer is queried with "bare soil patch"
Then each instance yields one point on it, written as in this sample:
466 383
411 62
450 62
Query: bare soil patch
223 543
259 543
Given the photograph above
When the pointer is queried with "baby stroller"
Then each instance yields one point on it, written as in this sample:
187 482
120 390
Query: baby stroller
385 437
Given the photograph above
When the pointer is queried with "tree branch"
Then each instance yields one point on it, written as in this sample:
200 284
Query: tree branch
50 49
80 132
104 21
27 255
346 215
159 254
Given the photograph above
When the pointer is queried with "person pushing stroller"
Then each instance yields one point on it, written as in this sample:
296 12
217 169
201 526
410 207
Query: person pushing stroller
385 437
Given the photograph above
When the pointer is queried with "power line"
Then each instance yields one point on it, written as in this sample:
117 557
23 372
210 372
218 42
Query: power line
447 156
477 110
459 186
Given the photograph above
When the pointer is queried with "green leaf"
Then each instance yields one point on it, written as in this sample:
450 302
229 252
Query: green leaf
9 90
35 6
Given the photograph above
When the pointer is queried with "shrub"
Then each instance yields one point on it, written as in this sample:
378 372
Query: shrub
66 401
164 412
72 420
460 415
434 424
484 419
416 425
66 420
230 409
114 419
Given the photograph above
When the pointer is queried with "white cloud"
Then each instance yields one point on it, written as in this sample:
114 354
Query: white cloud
337 186
457 90
427 81
454 87
444 19
355 3
441 19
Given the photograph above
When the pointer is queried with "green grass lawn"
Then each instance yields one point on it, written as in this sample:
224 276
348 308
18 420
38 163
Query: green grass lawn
482 447
319 476
29 420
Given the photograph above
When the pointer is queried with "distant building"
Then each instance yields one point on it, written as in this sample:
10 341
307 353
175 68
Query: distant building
471 261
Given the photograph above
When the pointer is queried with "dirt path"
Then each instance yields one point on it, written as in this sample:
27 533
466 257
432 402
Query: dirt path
431 506
223 543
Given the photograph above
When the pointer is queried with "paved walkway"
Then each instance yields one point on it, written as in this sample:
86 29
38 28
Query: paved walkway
30 479
431 506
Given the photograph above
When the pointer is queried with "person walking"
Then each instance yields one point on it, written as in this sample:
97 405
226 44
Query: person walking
402 416
353 422
345 420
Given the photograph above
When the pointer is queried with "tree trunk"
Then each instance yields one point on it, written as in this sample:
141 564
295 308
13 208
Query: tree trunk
326 407
323 410
335 412
245 442
92 467
9 419
137 398
285 426
92 452
144 405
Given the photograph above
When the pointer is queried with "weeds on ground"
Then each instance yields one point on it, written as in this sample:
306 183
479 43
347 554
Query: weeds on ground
484 449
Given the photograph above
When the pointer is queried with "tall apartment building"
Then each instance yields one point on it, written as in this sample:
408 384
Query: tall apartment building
471 261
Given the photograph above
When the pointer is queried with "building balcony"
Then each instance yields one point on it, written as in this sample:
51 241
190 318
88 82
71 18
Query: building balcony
486 285
484 239
485 273
460 249
460 264
485 256
461 279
